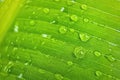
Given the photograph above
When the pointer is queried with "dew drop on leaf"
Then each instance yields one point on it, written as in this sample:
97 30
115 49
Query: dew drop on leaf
16 28
62 9
70 2
86 20
62 30
69 63
58 77
32 22
20 75
84 6
46 10
74 18
72 30
98 73
110 58
96 53
79 52
84 37
41 71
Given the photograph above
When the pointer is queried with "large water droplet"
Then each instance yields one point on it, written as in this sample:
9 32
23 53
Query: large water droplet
96 53
79 52
46 10
62 30
84 6
84 37
32 22
8 66
98 73
58 77
110 58
74 18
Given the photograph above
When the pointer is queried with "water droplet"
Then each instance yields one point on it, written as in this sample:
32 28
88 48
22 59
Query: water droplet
62 30
33 12
70 2
46 10
98 73
79 52
97 53
74 18
70 63
62 9
32 22
72 30
8 66
85 20
28 62
46 36
43 43
41 71
58 77
20 75
53 22
84 6
16 28
109 76
84 37
110 58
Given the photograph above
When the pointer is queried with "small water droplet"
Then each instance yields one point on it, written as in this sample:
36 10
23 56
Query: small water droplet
58 76
33 12
46 10
20 75
72 30
62 9
28 62
85 20
32 22
53 22
98 73
110 58
79 52
69 63
74 18
46 36
8 66
41 71
70 2
16 28
84 6
84 37
97 53
62 30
